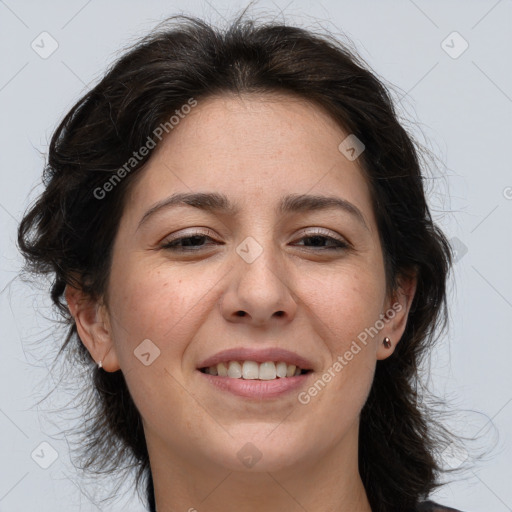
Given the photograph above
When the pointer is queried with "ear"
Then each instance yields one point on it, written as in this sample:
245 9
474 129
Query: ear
93 326
396 311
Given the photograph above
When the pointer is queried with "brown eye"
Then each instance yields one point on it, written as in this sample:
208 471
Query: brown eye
316 240
186 243
193 242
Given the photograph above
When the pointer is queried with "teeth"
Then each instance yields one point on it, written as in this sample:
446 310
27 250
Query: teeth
267 371
281 369
251 370
234 370
222 370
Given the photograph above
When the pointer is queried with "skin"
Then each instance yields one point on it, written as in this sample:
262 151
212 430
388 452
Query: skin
254 149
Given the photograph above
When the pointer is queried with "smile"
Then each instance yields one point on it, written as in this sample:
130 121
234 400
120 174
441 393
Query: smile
251 370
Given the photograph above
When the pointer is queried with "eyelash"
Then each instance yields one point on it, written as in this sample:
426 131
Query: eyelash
170 245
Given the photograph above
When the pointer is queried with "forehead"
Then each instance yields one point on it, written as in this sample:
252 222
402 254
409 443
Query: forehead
254 148
274 126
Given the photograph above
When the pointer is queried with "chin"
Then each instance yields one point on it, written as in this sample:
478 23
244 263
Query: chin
259 453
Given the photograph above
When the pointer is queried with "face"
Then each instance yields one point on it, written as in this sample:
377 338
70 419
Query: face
193 280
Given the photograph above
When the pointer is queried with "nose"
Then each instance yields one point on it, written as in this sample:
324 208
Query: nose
259 292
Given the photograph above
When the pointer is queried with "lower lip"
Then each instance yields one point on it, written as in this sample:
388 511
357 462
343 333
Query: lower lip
257 388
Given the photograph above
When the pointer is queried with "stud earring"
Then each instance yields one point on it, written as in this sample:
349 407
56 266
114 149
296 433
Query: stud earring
100 364
387 342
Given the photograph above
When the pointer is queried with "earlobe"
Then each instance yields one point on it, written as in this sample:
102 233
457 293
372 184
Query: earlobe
93 327
396 314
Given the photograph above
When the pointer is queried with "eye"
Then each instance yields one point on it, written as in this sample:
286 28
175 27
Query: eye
189 243
317 238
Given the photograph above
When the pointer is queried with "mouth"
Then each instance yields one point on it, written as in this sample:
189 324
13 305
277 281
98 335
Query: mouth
256 373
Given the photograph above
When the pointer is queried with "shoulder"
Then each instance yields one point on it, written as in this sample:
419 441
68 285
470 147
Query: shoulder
430 506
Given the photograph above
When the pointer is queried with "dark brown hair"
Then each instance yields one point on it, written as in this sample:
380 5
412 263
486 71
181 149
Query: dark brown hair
69 232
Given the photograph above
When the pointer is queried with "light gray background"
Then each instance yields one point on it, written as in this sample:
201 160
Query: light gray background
461 105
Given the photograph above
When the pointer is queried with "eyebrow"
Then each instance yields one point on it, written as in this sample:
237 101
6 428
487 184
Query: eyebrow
216 202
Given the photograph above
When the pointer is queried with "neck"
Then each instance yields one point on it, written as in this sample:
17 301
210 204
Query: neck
329 483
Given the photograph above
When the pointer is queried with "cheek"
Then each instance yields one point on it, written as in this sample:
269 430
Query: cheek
161 304
144 305
349 305
343 310
345 303
150 305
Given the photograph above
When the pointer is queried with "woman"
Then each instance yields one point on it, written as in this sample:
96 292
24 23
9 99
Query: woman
240 241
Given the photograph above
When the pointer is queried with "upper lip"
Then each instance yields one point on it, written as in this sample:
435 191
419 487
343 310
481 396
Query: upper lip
257 355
